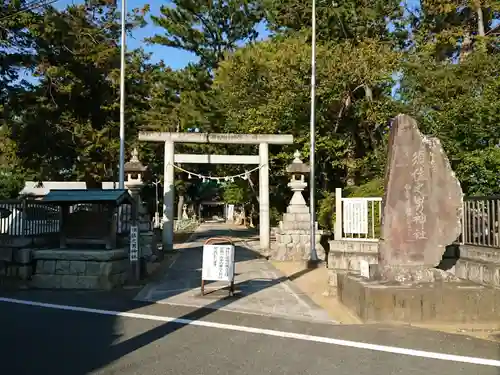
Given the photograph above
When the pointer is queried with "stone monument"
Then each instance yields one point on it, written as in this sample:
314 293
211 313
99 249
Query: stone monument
422 206
421 215
293 235
184 212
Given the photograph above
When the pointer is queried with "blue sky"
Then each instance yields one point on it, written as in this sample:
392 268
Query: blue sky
173 57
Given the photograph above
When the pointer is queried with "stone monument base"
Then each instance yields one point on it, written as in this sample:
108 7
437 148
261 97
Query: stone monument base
410 275
438 302
295 245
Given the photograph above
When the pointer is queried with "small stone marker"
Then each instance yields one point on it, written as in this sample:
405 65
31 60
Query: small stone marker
364 269
134 243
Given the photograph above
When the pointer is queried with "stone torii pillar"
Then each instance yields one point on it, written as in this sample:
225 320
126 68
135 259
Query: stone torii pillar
264 220
168 197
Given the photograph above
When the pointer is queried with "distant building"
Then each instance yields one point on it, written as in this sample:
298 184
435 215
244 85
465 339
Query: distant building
38 189
109 185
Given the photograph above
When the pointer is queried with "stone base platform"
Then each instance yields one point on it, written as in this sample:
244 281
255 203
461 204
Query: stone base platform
80 269
294 246
445 302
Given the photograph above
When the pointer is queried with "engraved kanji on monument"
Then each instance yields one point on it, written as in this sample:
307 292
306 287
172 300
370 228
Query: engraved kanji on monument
422 205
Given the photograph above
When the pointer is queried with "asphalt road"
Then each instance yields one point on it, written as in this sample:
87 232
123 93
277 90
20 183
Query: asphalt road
36 340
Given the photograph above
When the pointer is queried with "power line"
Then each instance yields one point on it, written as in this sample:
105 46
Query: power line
28 7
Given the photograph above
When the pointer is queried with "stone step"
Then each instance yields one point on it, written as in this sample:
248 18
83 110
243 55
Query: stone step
478 271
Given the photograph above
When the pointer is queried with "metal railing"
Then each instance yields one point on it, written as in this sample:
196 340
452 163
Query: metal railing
28 218
361 218
481 221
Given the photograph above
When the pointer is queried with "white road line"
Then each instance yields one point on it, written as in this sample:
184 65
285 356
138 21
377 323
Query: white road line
267 332
229 308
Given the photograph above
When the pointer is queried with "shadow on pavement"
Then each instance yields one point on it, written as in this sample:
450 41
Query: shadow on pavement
81 343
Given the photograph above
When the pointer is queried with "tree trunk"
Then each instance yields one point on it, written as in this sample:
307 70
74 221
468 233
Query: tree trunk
480 19
252 212
91 181
179 207
252 186
481 43
244 215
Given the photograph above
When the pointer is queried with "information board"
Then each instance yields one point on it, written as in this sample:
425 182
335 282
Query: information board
134 243
355 212
218 263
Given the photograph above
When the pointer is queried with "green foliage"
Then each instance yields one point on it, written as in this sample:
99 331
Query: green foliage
11 183
372 189
458 103
336 20
479 171
236 193
326 211
207 28
263 88
239 192
326 206
445 28
66 124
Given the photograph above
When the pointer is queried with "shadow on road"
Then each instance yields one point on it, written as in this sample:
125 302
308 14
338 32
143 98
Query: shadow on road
83 343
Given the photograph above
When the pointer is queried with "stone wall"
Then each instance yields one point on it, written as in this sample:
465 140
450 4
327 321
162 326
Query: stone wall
474 263
344 256
16 261
479 264
80 269
20 267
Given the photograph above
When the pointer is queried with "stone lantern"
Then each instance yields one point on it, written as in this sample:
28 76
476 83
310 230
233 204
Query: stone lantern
293 235
134 170
297 184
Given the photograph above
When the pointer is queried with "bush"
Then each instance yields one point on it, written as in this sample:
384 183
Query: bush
326 211
11 183
326 206
371 189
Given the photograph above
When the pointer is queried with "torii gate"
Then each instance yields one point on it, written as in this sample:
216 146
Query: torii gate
263 140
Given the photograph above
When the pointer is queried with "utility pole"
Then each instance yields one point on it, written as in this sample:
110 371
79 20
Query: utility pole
121 184
313 258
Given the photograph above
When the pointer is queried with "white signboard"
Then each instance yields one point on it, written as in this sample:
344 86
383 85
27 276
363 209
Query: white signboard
218 263
355 216
134 243
364 269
